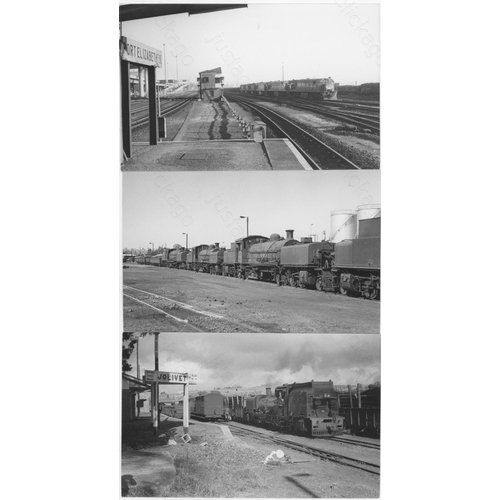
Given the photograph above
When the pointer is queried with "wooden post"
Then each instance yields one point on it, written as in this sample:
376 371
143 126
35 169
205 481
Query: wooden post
358 388
185 407
126 120
153 120
350 395
154 389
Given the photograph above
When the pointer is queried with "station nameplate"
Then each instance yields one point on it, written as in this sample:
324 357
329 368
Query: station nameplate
165 377
141 54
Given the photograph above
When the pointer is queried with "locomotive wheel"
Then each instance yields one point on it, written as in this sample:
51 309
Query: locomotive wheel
319 284
372 295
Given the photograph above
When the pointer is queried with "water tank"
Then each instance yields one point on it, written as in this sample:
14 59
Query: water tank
364 212
342 225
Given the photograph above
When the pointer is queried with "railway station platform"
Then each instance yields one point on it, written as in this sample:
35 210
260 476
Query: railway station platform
213 139
270 154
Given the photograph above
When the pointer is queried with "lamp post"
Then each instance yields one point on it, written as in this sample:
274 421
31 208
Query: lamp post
245 217
186 240
311 233
153 251
165 64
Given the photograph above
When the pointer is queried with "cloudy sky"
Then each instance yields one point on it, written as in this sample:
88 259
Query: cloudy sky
248 360
159 206
341 41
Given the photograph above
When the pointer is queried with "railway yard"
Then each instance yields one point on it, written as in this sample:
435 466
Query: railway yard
328 134
168 300
229 460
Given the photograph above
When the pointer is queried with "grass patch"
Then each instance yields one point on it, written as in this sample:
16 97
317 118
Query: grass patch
219 468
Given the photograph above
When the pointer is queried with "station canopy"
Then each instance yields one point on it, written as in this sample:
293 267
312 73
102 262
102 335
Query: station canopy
133 11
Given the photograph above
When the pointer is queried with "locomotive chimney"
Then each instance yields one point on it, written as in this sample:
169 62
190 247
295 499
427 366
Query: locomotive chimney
289 234
216 245
268 392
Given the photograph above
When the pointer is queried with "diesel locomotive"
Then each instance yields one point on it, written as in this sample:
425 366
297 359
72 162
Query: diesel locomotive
308 408
308 88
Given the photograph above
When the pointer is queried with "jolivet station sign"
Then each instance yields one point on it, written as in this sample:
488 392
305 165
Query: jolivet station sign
165 377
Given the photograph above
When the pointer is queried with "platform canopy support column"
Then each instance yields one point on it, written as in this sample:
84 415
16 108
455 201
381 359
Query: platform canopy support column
153 122
147 59
126 121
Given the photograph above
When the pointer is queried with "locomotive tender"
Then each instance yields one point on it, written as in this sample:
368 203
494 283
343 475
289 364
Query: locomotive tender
308 408
350 267
308 88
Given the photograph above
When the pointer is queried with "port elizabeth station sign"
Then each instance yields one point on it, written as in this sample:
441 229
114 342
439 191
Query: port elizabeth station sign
166 377
139 53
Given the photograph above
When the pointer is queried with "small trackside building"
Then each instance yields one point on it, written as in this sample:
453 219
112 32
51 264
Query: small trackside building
132 388
211 84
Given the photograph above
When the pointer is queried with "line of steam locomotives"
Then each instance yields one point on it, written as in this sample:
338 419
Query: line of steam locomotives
309 88
308 408
350 267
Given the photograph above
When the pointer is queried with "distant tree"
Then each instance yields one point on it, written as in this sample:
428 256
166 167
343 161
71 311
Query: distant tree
129 340
177 246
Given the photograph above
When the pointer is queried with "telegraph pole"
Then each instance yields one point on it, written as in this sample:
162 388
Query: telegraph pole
138 366
155 391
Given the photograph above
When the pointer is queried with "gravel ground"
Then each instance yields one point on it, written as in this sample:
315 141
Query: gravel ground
361 148
246 305
212 465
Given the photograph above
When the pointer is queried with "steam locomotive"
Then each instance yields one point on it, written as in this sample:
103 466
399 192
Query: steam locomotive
349 267
308 408
309 88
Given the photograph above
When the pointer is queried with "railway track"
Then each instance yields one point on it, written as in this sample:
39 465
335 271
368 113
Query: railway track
164 111
350 113
363 444
345 116
310 450
349 106
318 154
182 312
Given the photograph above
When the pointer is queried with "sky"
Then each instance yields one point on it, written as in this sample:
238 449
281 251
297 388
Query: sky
248 360
159 206
341 41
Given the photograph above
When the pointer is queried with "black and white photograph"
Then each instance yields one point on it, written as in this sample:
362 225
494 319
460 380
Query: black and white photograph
236 252
193 249
250 415
250 250
261 87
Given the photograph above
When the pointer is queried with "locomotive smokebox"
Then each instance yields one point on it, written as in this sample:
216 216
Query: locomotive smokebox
268 392
289 234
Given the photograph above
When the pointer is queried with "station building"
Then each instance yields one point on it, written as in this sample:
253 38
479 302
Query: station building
132 402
